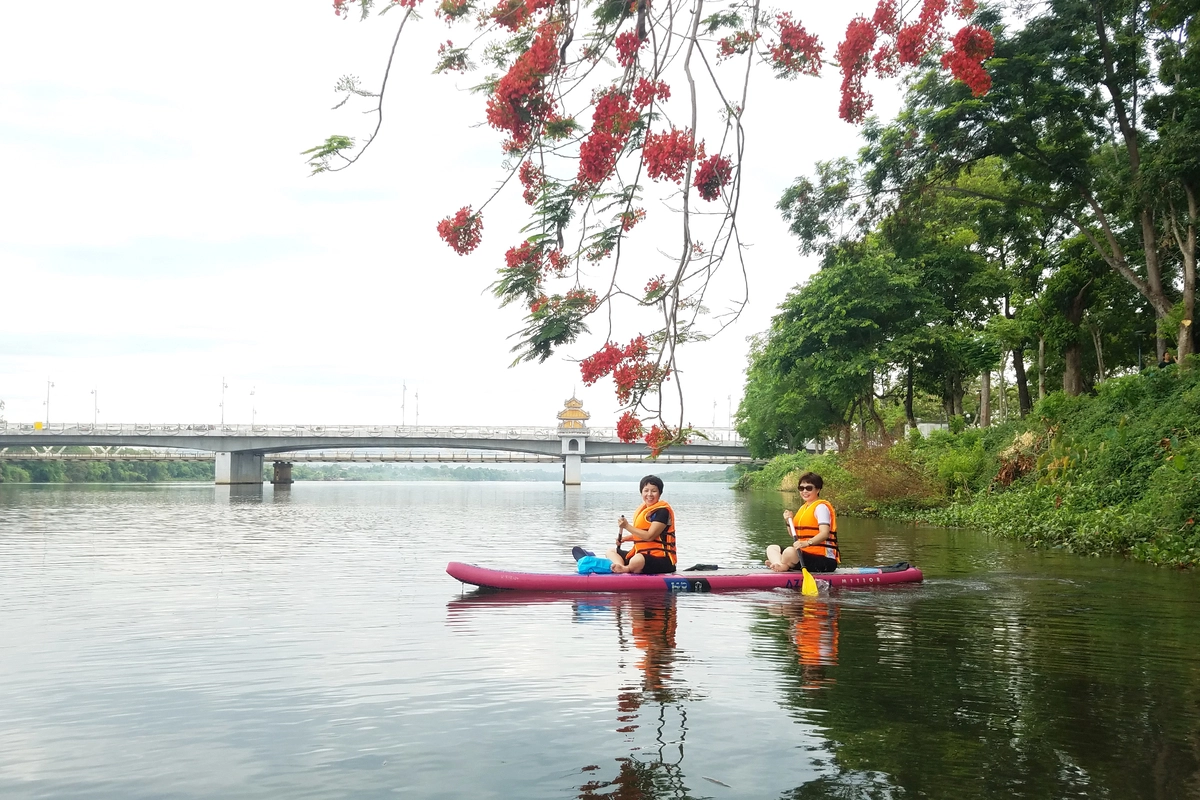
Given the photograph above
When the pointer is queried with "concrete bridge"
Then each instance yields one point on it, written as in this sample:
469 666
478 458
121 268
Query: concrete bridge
240 450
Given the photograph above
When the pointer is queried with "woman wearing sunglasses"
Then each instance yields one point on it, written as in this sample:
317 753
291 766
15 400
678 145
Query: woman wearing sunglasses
815 534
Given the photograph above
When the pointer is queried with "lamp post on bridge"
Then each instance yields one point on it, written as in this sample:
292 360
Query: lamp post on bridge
95 410
49 386
252 409
224 386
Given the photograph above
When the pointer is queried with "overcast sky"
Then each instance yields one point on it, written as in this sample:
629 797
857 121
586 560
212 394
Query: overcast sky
159 230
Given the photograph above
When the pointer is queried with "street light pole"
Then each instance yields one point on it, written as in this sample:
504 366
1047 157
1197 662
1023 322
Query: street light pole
403 401
95 410
224 386
49 385
252 409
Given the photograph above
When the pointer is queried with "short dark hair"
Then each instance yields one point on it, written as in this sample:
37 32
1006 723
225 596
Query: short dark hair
813 478
651 479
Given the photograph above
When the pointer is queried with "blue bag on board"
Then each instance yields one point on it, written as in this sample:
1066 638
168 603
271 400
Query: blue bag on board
593 565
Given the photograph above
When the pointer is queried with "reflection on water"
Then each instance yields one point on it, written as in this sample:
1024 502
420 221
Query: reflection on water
196 641
813 631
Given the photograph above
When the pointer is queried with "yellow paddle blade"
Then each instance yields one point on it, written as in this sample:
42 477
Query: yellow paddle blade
808 586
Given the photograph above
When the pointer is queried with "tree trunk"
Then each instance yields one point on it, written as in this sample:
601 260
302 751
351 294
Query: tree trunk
1018 355
985 399
1041 367
1073 369
1096 341
1073 355
1187 248
1002 406
908 398
885 436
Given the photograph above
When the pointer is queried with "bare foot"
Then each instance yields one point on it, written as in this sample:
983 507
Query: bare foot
619 568
778 567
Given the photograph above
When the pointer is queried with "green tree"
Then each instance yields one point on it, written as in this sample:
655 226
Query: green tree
1090 138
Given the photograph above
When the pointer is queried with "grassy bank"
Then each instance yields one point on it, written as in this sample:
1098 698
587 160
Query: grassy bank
1113 472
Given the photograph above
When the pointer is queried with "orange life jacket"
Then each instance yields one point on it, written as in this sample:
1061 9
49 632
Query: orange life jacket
664 545
805 521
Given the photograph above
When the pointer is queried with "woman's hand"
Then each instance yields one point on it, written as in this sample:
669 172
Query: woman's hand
787 515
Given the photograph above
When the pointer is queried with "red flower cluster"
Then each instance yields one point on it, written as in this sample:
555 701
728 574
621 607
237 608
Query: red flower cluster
518 101
668 154
339 6
582 297
406 3
854 58
907 44
887 17
612 122
736 44
607 358
627 45
712 176
523 257
914 40
798 51
646 91
629 427
532 179
463 231
538 304
627 365
655 286
631 218
532 259
453 10
514 14
657 439
556 261
972 46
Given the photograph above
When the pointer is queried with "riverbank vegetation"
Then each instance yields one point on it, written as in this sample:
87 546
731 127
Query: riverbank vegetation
40 471
1013 266
1117 471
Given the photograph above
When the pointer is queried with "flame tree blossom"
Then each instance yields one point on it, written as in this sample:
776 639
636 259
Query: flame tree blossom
581 95
462 231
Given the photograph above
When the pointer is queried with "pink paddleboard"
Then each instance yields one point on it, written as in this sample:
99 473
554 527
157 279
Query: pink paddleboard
705 581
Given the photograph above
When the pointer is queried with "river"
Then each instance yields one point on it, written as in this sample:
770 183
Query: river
192 641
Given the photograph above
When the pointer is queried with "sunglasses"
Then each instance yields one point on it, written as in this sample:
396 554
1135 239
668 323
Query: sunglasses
806 488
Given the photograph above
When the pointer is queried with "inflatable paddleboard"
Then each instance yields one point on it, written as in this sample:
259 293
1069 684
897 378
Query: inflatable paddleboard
719 580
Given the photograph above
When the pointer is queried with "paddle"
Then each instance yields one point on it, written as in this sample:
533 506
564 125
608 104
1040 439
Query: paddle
808 586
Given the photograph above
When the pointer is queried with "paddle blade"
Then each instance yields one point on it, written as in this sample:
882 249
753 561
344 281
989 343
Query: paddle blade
808 586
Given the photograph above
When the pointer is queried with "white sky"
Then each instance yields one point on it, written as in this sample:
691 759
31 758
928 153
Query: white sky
159 230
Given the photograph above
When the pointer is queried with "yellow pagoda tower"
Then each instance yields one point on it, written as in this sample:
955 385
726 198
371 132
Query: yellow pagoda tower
572 418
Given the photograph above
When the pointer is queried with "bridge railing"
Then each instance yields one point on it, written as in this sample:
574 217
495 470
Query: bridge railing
715 436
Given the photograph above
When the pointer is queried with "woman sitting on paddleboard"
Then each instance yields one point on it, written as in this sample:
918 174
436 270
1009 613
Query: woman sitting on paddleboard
814 534
652 534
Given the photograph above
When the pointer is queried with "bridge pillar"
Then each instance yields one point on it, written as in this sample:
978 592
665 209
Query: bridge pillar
283 474
233 468
573 445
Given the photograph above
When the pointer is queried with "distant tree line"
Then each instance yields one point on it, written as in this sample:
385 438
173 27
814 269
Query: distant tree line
104 471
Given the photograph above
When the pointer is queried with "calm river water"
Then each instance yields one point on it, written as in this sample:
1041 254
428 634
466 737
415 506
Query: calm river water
189 642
